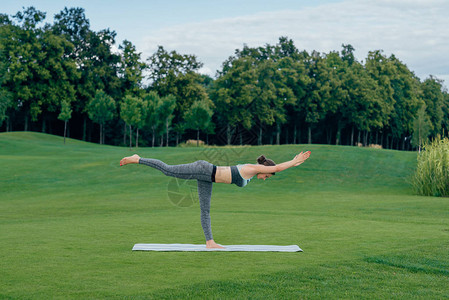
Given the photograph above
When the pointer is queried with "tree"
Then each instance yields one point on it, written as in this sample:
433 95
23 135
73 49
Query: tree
315 104
62 74
198 117
165 66
65 114
94 58
23 52
446 112
165 113
433 97
421 128
101 109
131 69
406 93
272 93
381 69
5 94
132 112
152 102
233 93
179 128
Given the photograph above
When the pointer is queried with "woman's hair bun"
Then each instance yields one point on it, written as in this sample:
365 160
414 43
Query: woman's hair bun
261 159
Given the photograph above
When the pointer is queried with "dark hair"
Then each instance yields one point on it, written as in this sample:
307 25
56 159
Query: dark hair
262 160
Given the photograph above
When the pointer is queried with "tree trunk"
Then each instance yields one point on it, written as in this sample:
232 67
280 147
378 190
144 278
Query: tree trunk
166 128
101 132
294 135
403 143
228 134
65 130
310 134
137 138
377 137
352 136
197 137
43 123
338 135
124 133
89 132
278 133
130 136
84 128
153 137
240 135
358 138
26 123
259 140
286 135
162 140
177 139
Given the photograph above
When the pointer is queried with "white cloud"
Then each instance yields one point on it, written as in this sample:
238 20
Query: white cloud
416 31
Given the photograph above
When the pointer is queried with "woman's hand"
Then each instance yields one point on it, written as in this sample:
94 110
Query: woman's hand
301 157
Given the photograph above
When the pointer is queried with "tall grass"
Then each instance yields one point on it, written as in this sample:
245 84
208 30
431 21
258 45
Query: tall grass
432 174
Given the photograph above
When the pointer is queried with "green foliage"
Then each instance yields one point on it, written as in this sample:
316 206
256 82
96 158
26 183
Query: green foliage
5 95
66 111
131 68
152 102
131 111
431 177
198 117
101 108
433 97
263 90
421 128
165 113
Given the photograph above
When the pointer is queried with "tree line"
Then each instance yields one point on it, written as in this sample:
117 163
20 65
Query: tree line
64 78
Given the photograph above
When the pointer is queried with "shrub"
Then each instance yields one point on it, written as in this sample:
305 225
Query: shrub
432 173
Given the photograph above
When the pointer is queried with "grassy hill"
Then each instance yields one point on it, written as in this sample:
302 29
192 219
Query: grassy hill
69 216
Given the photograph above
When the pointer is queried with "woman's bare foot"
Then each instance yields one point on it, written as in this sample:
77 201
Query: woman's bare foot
130 160
210 244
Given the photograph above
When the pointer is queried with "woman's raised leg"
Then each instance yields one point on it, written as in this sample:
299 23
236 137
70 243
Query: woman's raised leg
199 170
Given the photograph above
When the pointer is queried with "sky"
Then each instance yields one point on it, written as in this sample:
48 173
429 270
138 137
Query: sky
415 31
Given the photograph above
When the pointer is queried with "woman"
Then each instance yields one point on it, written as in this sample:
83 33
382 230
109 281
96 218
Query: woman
206 173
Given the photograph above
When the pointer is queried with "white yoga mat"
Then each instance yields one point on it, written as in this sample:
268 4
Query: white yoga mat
192 247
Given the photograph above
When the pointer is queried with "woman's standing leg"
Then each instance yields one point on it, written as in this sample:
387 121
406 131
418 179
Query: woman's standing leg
204 195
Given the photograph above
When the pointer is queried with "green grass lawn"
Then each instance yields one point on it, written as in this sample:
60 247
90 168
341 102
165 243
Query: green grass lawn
69 217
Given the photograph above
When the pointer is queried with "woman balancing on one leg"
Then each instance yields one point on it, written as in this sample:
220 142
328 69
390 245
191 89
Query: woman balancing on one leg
206 173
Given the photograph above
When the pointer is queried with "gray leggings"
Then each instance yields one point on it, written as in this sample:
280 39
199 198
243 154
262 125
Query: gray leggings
200 170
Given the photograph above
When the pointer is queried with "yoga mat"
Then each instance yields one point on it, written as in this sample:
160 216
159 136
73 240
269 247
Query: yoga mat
193 247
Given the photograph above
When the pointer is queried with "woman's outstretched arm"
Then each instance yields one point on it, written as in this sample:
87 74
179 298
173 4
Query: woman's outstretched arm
296 161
